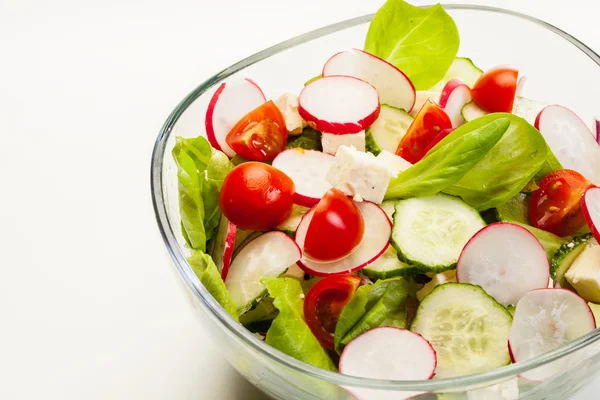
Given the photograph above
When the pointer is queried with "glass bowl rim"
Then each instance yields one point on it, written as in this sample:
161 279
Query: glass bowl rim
249 339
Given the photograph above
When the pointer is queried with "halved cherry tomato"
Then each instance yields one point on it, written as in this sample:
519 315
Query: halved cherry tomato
555 206
336 228
324 302
256 196
438 138
430 121
495 90
260 135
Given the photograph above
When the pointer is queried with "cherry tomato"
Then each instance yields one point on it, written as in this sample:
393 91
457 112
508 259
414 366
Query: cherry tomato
256 196
495 90
260 135
336 228
430 121
438 138
323 305
555 206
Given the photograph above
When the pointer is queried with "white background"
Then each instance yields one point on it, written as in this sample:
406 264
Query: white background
89 305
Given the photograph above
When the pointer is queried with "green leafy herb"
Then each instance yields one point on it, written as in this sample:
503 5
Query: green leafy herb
288 332
421 42
310 139
205 269
506 169
201 171
380 304
449 161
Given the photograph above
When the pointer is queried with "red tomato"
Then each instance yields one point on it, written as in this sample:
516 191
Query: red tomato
430 121
554 207
336 228
256 196
495 90
438 139
260 135
323 305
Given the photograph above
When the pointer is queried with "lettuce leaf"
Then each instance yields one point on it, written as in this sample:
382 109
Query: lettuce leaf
200 171
289 332
310 139
421 42
205 269
380 304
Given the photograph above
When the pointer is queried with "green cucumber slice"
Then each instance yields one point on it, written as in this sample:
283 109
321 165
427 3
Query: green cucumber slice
564 257
388 130
430 232
467 328
471 111
290 225
462 68
388 265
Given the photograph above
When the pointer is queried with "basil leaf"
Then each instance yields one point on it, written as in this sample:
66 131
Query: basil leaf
289 333
380 304
205 269
421 42
506 169
449 160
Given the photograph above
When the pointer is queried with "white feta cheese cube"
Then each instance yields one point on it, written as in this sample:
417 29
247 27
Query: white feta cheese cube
359 174
584 273
332 142
394 163
288 105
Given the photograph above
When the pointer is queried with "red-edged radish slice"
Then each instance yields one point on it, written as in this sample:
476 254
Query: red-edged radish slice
388 353
454 97
339 104
521 83
224 244
269 254
392 85
375 242
597 128
506 260
590 204
307 168
228 105
571 141
544 320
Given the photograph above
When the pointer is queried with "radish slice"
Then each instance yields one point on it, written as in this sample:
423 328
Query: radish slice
339 104
506 260
375 242
388 353
224 245
597 128
544 320
228 105
307 168
570 140
454 97
590 204
393 86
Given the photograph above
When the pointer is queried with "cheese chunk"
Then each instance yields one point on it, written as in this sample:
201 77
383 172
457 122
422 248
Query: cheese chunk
359 174
584 273
288 105
394 163
331 143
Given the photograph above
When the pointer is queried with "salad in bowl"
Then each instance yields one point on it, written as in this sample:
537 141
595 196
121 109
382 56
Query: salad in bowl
405 216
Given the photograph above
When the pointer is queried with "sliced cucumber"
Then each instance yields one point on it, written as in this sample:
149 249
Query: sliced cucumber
388 265
430 232
387 131
564 258
290 225
268 255
467 328
389 207
463 69
472 111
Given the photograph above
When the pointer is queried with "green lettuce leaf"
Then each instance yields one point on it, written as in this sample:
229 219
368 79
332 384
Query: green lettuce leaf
506 169
310 139
200 171
288 332
421 42
380 304
449 161
205 269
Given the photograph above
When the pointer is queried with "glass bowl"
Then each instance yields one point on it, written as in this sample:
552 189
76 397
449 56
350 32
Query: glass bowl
560 69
